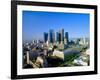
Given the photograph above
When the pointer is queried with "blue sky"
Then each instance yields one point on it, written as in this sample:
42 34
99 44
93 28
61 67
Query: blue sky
35 23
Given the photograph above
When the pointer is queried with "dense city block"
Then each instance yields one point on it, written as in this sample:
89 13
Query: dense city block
56 50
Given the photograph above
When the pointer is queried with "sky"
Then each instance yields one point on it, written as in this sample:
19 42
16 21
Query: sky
35 23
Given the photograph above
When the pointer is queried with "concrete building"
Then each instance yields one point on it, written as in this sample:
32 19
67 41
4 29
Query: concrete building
84 41
58 54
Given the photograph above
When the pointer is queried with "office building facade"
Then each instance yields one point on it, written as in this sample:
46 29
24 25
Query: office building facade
51 36
45 37
66 38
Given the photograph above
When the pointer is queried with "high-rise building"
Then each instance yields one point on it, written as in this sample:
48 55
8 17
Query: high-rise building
62 35
51 36
58 37
66 38
84 41
45 37
27 57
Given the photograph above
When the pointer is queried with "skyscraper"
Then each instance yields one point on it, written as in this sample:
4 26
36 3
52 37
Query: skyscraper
66 38
45 37
62 35
58 36
51 36
54 37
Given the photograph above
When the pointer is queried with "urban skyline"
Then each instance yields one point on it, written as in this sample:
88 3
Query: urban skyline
36 23
60 36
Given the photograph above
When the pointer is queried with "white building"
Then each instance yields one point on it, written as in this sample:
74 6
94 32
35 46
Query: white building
58 54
